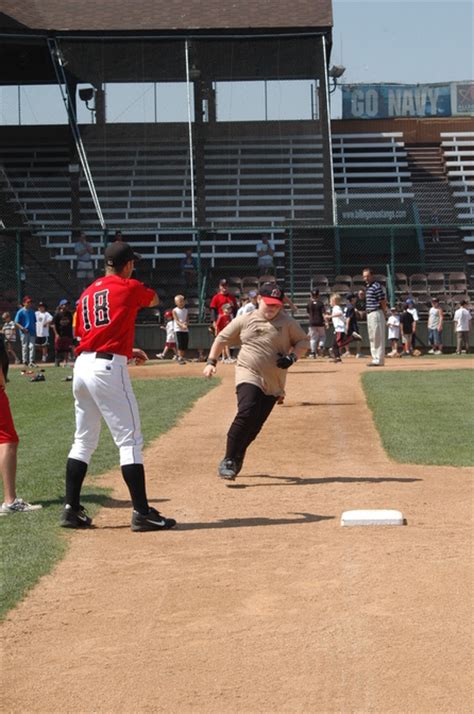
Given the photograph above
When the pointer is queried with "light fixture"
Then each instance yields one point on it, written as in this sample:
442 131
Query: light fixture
336 71
194 73
87 94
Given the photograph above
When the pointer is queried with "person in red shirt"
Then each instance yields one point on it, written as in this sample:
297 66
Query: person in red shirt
105 325
221 322
221 298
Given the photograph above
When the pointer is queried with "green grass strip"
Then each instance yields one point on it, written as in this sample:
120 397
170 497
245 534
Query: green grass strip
424 417
32 543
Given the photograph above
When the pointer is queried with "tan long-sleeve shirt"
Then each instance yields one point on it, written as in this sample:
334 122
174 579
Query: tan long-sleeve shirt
262 341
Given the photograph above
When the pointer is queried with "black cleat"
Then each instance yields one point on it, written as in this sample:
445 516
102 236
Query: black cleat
228 469
72 518
152 521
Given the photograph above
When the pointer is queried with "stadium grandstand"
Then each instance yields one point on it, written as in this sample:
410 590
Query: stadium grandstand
252 152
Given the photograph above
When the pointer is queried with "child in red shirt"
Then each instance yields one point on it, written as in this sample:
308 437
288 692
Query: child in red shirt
221 322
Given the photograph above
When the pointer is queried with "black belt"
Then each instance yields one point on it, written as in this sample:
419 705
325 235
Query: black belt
104 355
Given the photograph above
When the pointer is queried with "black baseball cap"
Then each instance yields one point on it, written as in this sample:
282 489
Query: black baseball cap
271 294
118 254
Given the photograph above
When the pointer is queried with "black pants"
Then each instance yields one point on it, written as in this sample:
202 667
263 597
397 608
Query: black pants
253 409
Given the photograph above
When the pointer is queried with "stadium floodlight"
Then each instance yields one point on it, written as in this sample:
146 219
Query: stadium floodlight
87 94
336 71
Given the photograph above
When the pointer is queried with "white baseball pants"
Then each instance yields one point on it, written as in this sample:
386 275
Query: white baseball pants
102 388
376 330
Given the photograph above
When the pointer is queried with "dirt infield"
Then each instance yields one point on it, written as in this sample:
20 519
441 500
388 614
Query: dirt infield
260 601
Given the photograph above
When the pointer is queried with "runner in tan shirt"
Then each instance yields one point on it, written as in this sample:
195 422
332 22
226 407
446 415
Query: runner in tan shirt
270 342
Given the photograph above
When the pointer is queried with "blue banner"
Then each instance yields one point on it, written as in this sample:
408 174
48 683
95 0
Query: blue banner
387 101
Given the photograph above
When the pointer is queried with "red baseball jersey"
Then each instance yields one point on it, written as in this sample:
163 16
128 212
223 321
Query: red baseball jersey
105 318
220 299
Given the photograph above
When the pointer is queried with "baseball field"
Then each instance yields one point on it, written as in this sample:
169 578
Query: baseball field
259 601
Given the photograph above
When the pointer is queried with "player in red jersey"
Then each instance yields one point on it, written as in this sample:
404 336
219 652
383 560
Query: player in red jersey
105 325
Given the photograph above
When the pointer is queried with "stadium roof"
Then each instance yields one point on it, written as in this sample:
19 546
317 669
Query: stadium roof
164 15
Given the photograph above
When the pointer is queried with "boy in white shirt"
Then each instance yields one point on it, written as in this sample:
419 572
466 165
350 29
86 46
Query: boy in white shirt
393 324
462 325
435 327
43 321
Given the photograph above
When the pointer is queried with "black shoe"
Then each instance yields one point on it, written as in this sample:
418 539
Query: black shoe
72 518
228 469
153 521
239 462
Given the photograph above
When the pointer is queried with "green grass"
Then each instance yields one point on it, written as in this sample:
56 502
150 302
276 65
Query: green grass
44 418
424 417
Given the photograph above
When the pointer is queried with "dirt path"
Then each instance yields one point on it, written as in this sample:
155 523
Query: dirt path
260 601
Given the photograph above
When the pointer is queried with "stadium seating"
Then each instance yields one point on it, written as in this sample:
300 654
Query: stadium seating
370 166
458 149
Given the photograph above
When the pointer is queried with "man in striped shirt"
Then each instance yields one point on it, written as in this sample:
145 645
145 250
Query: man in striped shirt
376 306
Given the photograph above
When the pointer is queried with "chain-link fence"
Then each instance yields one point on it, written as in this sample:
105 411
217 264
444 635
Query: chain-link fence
414 260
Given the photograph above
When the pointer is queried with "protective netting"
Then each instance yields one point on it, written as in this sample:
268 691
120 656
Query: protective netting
209 145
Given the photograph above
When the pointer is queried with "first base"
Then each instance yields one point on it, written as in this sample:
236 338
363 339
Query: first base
382 517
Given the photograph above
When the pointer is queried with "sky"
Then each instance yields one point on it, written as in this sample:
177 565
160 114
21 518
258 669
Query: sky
403 41
422 41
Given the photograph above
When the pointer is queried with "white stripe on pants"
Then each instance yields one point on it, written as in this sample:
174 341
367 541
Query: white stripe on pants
376 330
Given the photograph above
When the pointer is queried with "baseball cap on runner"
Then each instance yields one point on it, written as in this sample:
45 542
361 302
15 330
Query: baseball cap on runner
271 294
118 254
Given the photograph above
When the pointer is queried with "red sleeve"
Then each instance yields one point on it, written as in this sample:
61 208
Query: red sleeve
213 301
141 294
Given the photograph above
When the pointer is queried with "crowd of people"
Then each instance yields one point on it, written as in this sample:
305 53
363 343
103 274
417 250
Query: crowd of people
266 336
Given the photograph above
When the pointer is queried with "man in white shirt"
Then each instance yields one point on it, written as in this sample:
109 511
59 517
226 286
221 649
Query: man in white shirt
265 252
43 321
462 326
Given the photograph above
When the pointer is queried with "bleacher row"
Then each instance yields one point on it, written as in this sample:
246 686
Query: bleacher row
265 182
248 182
458 150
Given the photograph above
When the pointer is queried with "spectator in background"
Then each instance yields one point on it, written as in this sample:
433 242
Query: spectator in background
9 335
462 325
63 333
393 324
221 298
43 321
350 317
189 268
265 253
181 329
435 327
249 303
376 307
8 448
118 238
25 320
222 322
414 313
360 305
406 326
170 339
317 324
435 227
85 264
